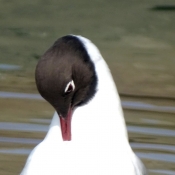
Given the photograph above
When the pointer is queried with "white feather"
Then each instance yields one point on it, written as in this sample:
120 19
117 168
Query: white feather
99 143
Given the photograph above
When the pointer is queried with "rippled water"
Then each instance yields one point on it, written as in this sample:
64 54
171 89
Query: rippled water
151 127
8 67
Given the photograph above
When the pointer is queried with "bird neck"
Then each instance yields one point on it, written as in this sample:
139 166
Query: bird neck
101 119
54 132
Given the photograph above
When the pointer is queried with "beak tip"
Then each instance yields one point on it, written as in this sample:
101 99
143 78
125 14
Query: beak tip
66 126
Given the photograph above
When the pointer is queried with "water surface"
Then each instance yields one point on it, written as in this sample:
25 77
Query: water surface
9 67
149 125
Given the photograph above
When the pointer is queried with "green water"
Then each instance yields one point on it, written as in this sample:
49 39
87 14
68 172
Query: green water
150 124
136 39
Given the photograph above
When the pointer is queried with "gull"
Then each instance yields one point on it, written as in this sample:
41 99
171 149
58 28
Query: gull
87 135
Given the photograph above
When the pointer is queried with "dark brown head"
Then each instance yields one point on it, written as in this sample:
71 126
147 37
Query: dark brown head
66 78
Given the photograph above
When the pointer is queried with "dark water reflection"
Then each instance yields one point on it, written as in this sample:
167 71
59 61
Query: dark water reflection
165 172
157 156
150 125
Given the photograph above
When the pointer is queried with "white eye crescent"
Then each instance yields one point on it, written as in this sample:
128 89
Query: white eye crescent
70 87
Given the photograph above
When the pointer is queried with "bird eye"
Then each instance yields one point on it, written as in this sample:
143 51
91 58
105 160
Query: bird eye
69 87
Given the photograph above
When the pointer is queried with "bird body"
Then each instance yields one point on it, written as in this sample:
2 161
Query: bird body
99 143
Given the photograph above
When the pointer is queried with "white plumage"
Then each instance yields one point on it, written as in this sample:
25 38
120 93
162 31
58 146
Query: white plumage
101 149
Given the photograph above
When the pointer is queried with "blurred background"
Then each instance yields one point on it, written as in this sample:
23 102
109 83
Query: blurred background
137 40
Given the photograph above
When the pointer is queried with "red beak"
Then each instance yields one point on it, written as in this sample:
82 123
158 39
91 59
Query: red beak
66 126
